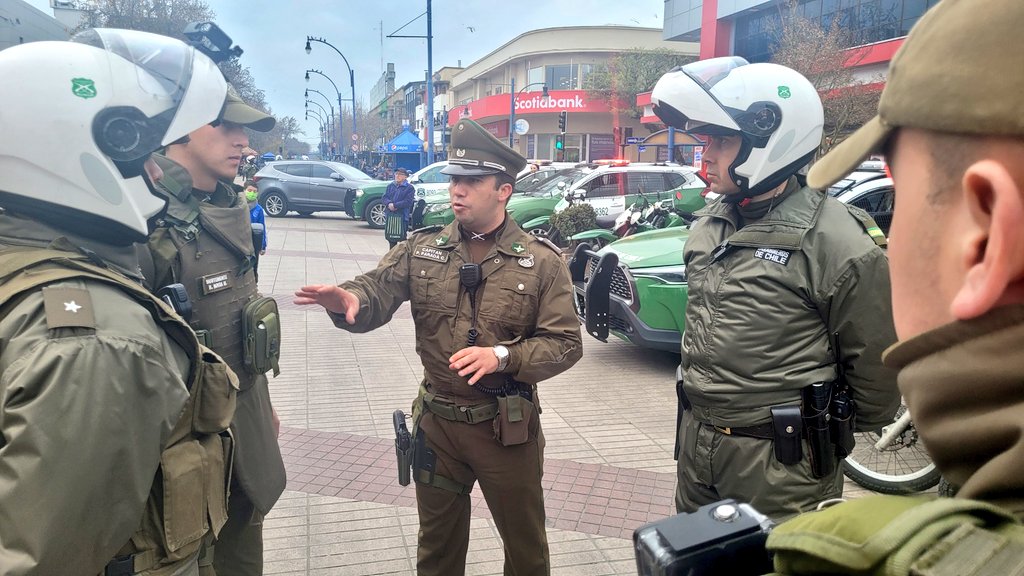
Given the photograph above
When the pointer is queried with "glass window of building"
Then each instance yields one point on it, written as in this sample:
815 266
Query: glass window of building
561 77
535 76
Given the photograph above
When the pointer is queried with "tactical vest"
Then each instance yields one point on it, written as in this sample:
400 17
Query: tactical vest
188 500
900 536
211 257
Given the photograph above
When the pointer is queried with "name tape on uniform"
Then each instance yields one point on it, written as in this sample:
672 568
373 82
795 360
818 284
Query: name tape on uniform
431 253
773 255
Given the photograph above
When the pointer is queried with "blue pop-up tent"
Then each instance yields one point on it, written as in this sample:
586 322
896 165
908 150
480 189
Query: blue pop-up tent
407 149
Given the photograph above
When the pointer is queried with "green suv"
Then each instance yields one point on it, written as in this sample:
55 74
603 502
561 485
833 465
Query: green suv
634 288
530 200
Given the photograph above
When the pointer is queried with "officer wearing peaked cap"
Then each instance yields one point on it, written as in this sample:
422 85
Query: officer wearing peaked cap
950 124
486 339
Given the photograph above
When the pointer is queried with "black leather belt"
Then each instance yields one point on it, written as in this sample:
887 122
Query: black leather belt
762 431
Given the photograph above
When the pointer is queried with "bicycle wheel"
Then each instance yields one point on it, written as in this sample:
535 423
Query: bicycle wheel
903 467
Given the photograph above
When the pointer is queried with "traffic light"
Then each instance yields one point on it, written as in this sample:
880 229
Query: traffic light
561 121
560 142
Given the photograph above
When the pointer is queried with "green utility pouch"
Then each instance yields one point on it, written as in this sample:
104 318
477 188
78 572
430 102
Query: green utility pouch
900 535
216 395
261 327
512 424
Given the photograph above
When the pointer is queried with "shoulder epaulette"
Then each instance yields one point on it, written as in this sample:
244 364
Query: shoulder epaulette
549 244
869 225
427 229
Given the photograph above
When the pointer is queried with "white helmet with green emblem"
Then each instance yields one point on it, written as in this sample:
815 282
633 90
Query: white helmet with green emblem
81 118
774 109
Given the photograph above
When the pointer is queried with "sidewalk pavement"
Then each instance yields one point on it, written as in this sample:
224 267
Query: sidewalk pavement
609 423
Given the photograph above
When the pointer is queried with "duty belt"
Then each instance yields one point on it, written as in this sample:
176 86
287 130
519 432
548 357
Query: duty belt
451 411
762 431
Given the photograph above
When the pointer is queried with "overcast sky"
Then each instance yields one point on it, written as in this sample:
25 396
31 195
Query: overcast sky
273 35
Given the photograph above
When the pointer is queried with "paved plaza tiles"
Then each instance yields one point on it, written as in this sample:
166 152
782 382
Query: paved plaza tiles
608 423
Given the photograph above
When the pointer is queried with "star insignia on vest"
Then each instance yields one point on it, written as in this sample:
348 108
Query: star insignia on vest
518 248
441 240
526 261
68 308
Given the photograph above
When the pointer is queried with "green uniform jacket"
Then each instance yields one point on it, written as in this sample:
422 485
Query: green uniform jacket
84 415
762 310
524 302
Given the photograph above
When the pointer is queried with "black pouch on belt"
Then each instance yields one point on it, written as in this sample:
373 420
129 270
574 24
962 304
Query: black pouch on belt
787 425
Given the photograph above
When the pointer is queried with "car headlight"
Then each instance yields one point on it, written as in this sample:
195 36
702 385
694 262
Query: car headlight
359 192
667 274
438 207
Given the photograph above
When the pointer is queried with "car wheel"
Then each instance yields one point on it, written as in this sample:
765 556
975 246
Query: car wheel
274 204
540 231
376 214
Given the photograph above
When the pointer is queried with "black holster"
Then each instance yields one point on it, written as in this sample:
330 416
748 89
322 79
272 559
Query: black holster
844 416
682 406
817 398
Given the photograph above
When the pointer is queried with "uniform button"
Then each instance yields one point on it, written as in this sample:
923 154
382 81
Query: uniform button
497 260
423 272
521 286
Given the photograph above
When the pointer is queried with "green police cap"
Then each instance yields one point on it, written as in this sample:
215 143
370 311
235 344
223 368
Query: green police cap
476 152
237 111
960 71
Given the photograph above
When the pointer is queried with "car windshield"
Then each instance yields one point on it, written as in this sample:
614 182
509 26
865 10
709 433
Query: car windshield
349 172
549 187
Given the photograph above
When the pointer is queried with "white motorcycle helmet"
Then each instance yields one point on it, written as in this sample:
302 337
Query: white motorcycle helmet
775 110
79 119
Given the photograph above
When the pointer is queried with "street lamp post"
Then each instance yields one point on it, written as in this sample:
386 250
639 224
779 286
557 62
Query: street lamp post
512 106
351 76
337 137
330 117
323 129
430 75
341 132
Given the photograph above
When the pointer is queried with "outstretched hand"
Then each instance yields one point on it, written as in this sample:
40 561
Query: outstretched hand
475 360
334 298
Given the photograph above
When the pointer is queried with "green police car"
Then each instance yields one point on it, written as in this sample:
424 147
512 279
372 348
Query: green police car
530 200
634 288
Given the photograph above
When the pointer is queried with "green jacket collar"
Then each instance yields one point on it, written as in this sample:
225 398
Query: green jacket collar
176 186
511 240
784 227
20 231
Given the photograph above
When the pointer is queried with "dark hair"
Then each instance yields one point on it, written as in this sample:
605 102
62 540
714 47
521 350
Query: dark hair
248 183
502 178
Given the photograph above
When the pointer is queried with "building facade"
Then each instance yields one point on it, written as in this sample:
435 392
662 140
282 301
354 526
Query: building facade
875 28
20 22
510 81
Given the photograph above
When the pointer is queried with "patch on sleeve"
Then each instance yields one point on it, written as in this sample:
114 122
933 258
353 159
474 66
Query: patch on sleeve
431 253
68 308
773 255
869 225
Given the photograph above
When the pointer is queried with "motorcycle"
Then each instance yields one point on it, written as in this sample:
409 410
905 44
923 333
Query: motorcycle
639 217
892 460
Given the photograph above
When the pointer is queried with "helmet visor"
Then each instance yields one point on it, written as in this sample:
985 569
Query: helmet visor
707 73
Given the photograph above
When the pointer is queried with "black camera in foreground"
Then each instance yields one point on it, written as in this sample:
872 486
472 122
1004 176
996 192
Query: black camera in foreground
721 538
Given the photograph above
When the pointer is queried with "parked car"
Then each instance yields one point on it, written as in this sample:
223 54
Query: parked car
534 196
611 187
635 288
367 205
308 186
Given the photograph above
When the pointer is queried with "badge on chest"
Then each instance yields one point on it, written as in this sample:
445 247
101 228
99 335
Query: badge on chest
217 282
773 255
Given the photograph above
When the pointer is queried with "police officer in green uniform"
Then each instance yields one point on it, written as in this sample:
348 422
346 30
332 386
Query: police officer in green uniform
113 452
494 316
204 241
950 123
782 280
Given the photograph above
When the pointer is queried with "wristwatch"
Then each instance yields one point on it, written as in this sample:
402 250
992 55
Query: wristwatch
502 353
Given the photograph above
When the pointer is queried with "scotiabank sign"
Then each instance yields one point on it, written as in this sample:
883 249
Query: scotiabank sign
528 103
